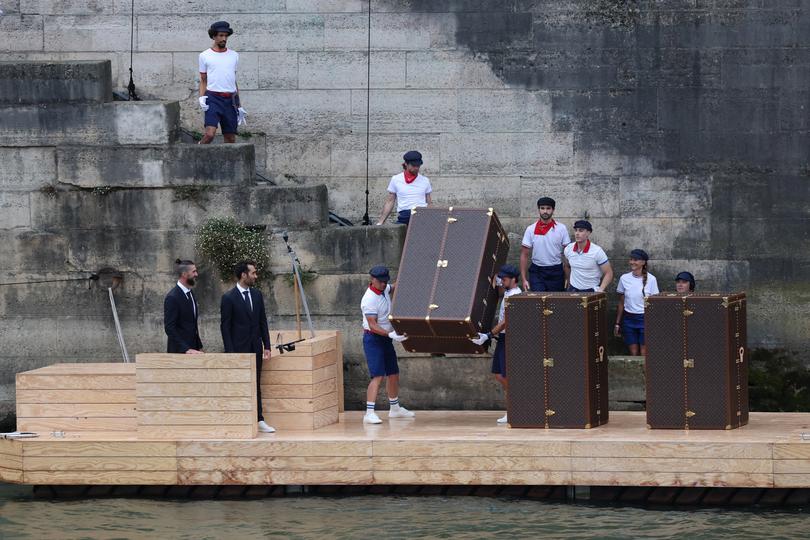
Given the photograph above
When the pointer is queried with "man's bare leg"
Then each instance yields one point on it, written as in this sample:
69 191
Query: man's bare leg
210 131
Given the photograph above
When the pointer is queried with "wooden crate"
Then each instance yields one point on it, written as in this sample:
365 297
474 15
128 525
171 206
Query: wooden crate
181 396
303 389
77 397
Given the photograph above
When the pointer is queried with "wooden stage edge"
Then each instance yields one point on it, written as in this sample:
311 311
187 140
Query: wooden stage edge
435 448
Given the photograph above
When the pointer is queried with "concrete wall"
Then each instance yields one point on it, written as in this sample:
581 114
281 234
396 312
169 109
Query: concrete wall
678 126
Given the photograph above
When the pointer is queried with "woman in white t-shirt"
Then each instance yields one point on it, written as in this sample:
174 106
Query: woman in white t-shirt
408 190
634 287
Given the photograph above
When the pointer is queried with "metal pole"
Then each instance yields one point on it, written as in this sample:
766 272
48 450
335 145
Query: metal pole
118 332
291 253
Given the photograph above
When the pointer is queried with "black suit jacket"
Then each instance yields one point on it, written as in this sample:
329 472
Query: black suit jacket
180 322
242 330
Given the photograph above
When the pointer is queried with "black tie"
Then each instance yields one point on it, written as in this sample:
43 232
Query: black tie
247 299
193 304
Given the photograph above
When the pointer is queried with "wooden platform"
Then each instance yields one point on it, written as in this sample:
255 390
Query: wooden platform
437 447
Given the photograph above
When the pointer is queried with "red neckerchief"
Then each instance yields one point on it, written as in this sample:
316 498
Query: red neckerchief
409 178
542 228
376 291
585 249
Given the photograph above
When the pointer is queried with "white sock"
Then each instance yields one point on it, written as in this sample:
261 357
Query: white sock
369 407
394 402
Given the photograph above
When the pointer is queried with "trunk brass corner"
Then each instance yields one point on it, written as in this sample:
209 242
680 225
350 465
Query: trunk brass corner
433 306
549 412
690 414
441 263
689 363
548 362
451 220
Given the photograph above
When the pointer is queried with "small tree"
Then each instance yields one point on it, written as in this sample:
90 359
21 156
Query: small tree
225 242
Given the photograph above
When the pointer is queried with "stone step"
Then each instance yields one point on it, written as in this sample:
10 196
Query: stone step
156 166
30 83
118 122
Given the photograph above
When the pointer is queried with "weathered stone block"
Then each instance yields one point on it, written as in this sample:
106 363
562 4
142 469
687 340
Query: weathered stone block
26 169
449 69
385 154
67 7
182 7
408 111
506 153
338 69
596 196
14 210
87 32
299 111
504 110
56 82
278 70
175 165
23 32
122 122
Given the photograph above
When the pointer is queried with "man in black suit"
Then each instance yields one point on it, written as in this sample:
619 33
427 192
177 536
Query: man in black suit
180 312
244 325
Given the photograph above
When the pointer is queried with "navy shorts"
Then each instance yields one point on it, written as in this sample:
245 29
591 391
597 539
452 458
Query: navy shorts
380 355
574 289
404 217
499 356
546 278
221 111
633 328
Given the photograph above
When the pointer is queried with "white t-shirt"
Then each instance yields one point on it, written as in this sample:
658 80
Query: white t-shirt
585 271
409 195
378 305
546 248
502 311
220 68
630 287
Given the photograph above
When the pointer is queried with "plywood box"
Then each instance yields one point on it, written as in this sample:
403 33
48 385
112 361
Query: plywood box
77 398
183 396
303 389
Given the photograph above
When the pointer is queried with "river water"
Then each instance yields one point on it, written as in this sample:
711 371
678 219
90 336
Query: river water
382 516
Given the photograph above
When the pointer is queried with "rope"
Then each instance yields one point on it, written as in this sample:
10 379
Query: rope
133 95
366 220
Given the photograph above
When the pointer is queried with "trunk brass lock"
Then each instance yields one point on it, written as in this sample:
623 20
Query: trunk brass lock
549 412
687 313
548 362
689 362
441 263
690 414
741 352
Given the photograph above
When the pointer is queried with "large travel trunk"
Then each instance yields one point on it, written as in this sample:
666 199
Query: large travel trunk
697 361
556 362
444 293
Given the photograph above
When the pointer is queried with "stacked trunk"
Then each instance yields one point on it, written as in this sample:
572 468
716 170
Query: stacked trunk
445 293
697 361
556 361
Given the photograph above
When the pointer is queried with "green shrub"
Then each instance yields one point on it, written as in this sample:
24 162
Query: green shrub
777 381
224 242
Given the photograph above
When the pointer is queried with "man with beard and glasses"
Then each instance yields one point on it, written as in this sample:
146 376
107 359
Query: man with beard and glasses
180 312
545 241
219 93
243 323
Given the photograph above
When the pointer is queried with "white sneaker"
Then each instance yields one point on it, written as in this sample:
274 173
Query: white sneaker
502 420
400 412
371 418
264 428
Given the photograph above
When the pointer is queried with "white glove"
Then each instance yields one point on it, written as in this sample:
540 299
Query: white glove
498 282
396 337
597 289
241 116
481 339
203 104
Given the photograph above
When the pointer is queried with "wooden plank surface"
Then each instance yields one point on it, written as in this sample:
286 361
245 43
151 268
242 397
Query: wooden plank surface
83 368
135 478
264 477
196 389
11 476
302 363
298 376
76 382
195 418
473 477
299 405
96 463
195 404
194 361
47 425
76 396
193 376
339 358
681 479
297 463
300 391
197 432
88 410
273 447
92 449
304 420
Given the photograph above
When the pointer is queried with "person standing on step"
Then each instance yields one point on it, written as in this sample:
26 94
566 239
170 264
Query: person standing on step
684 282
634 287
243 323
544 242
219 93
378 345
507 279
586 265
180 312
407 190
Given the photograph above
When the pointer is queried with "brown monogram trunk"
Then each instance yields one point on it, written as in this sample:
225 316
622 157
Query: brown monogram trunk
444 293
697 361
555 360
